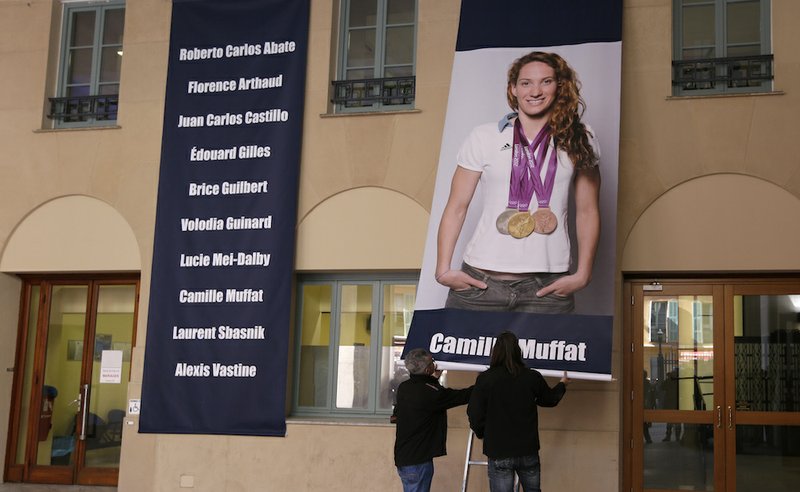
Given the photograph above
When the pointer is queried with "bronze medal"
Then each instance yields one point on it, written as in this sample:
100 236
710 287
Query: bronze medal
521 225
546 221
502 220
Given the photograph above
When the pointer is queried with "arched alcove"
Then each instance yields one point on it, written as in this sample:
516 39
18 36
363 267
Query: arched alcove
363 229
721 222
72 234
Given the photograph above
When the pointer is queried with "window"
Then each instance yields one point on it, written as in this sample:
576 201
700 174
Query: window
350 334
702 318
91 57
721 46
663 321
377 56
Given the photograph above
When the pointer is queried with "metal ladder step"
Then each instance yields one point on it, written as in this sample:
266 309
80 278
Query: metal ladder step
468 461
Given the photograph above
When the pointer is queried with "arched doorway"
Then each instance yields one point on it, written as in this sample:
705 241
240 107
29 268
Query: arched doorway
712 335
78 262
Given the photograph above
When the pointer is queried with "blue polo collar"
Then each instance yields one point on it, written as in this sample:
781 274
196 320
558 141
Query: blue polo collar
506 121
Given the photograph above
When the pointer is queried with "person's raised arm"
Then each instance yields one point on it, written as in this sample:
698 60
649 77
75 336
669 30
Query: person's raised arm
549 397
587 230
462 190
447 398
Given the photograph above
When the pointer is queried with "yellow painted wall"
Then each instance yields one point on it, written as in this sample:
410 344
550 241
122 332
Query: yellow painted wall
316 316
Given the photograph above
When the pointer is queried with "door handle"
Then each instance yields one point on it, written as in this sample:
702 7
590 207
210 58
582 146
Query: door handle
84 397
719 417
76 401
730 417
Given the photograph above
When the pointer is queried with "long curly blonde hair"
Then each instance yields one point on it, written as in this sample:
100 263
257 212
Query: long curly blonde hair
569 132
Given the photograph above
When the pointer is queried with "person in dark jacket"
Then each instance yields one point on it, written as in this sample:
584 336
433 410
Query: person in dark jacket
503 412
421 417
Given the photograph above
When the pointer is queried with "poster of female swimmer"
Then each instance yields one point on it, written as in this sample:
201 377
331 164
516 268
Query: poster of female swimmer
523 221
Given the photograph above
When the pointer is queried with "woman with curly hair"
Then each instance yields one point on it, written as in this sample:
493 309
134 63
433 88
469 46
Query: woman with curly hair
519 256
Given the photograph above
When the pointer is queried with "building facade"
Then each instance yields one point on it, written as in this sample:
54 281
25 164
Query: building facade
709 199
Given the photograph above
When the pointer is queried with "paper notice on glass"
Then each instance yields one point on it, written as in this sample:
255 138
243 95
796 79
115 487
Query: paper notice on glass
111 366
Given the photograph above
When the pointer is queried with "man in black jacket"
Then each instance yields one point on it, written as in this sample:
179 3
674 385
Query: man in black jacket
502 411
421 415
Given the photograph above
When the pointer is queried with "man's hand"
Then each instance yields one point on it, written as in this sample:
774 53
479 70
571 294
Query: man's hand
565 379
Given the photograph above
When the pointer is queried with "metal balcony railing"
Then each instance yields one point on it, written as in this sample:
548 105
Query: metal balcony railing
390 91
79 109
733 72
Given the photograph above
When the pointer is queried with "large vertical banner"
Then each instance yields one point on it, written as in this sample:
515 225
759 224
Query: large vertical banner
492 35
217 334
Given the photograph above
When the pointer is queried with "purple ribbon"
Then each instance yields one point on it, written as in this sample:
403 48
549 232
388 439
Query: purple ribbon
526 168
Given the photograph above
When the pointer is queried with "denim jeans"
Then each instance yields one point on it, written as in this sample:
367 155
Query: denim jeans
416 478
510 295
501 473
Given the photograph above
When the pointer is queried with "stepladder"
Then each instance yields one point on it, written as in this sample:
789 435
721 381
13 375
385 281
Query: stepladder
469 461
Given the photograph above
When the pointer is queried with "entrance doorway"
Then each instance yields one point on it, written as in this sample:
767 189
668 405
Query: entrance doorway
714 383
72 369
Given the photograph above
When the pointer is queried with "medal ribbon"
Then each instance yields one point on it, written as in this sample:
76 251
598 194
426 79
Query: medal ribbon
526 169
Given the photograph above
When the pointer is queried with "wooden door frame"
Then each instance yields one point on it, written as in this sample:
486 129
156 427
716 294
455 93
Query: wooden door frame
633 391
725 286
14 472
53 474
28 471
86 475
731 416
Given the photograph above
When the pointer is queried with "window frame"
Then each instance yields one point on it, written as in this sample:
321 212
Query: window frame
670 315
336 281
379 65
720 44
69 8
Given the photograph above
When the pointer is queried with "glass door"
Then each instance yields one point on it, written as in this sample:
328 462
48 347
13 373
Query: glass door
71 386
51 458
763 414
714 380
678 388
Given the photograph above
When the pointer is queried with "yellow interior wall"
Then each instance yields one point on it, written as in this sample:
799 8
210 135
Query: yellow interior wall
61 373
316 315
355 315
688 370
64 374
685 321
397 300
109 396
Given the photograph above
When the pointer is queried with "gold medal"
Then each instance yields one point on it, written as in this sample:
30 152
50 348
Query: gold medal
521 225
546 221
502 220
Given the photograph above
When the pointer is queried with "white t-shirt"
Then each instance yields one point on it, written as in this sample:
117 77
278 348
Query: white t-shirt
488 150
